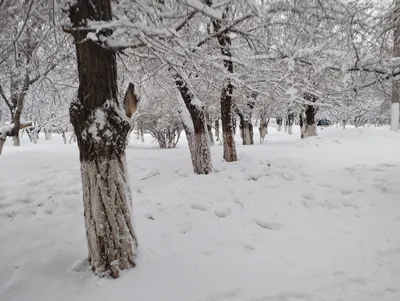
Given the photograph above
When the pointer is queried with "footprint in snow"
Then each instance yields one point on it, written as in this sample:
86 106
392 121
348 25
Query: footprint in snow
200 207
249 247
269 225
222 212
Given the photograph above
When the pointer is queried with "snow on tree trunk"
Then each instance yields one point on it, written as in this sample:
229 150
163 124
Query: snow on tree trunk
209 128
394 116
195 130
141 135
64 136
309 127
216 125
246 131
263 128
46 134
16 139
290 122
101 129
107 205
245 116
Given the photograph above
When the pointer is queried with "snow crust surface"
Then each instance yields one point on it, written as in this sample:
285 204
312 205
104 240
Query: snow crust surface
293 220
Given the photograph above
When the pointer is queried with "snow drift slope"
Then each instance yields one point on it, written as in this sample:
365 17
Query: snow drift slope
317 219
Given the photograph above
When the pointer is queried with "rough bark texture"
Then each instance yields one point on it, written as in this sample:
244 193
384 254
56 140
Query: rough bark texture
394 116
229 146
197 140
101 130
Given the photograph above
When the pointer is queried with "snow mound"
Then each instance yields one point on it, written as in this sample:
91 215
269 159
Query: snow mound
286 222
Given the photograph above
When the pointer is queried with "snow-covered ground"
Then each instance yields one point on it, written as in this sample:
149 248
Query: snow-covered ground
293 220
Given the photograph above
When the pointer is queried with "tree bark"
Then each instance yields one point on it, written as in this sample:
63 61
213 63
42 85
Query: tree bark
216 125
2 142
395 108
198 139
209 128
229 145
309 127
101 129
245 116
290 123
279 124
263 128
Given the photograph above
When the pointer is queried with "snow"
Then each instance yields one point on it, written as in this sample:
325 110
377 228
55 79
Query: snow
316 219
206 10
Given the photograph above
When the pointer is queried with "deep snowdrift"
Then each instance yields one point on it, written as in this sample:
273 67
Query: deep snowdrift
317 219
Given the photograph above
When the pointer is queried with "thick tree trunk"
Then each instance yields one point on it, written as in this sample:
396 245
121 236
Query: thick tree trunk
16 139
246 131
245 117
198 138
101 130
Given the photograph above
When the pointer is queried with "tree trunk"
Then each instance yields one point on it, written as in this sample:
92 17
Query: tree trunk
279 123
209 129
46 135
141 134
290 122
64 136
198 137
309 128
246 131
2 142
245 116
263 128
395 108
101 129
216 125
228 127
15 138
